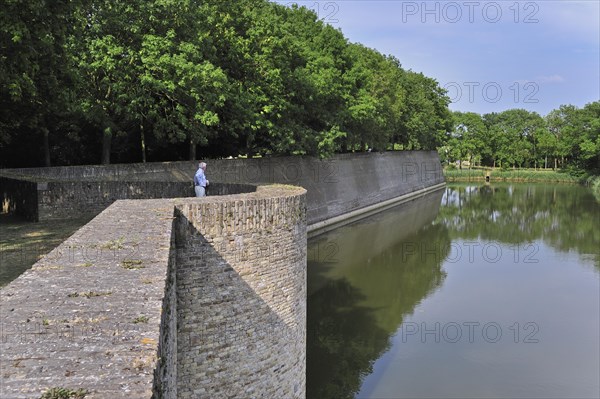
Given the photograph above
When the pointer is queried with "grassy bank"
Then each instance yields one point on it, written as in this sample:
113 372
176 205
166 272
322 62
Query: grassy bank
532 175
512 175
464 175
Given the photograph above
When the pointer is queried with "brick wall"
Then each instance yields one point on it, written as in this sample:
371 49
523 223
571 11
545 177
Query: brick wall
69 199
226 308
165 374
335 186
176 298
241 284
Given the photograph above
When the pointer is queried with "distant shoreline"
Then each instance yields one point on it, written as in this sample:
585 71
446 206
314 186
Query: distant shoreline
517 175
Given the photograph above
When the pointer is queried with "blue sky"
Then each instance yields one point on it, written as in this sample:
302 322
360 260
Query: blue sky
490 55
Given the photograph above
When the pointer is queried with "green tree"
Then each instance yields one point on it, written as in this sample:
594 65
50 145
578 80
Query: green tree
105 50
188 90
547 144
467 137
35 80
426 118
242 77
589 144
512 133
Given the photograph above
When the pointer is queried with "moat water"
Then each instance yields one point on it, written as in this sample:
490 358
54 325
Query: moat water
475 291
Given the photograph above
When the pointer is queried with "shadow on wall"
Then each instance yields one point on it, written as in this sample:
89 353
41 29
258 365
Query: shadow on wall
240 334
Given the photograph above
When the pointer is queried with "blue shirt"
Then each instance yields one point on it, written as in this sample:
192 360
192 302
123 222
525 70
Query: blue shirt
200 178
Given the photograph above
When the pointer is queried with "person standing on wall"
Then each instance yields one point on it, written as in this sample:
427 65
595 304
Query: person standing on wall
200 181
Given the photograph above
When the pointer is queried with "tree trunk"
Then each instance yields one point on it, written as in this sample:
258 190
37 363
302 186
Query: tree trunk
106 141
192 150
546 162
534 155
143 142
46 147
249 147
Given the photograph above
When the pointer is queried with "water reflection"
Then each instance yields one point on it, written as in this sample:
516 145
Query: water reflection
368 280
564 217
363 279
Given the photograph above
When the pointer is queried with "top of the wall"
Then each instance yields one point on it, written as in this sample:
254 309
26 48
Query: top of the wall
157 171
179 170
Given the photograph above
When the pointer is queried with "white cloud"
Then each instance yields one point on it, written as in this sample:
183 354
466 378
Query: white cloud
550 79
542 79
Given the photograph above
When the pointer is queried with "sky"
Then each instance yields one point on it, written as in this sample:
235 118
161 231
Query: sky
489 55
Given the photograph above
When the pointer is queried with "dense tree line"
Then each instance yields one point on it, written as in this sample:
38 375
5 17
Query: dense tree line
568 137
88 81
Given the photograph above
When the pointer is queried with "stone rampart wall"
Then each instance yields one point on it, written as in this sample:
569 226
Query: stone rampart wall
336 186
181 297
241 284
67 199
176 298
37 200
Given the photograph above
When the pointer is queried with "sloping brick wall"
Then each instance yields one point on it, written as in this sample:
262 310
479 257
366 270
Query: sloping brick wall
241 283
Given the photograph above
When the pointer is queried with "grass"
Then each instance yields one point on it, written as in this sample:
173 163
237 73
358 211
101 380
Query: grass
114 244
532 175
141 319
23 243
132 264
64 393
516 175
88 295
464 174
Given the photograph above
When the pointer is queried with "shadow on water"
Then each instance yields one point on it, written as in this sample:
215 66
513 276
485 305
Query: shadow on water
363 279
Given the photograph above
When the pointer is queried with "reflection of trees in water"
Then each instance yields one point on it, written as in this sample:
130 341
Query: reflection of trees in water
352 315
358 300
402 275
342 340
564 217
